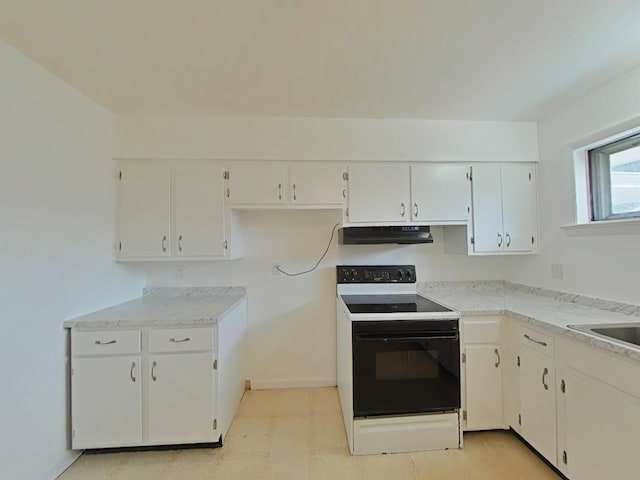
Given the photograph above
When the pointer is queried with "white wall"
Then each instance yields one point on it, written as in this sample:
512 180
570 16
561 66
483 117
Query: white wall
342 139
57 209
292 320
601 262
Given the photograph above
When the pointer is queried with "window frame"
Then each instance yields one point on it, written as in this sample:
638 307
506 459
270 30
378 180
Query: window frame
599 178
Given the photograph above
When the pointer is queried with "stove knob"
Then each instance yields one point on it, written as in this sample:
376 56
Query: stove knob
354 274
399 275
345 275
408 275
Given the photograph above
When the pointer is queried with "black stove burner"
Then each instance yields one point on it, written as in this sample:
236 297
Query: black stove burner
397 303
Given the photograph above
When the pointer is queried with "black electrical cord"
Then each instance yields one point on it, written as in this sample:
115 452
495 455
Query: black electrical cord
317 263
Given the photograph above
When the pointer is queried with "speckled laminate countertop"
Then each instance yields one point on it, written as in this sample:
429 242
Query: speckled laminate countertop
546 309
165 307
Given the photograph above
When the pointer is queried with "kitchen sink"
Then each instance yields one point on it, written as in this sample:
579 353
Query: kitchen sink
628 333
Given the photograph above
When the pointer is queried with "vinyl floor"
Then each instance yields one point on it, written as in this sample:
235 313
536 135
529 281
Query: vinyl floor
298 434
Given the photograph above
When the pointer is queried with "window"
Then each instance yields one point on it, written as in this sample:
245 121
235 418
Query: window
614 179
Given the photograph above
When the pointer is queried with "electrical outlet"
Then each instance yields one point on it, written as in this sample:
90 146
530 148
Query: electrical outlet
557 271
180 271
274 268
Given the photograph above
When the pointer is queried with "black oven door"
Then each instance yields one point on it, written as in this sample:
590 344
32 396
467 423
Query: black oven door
405 370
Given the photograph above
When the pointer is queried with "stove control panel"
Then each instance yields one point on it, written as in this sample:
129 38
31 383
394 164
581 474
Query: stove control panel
376 273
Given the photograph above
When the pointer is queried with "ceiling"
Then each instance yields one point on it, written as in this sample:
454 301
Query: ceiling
436 59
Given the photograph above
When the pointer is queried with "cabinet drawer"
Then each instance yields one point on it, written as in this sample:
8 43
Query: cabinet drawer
539 341
105 342
481 330
181 339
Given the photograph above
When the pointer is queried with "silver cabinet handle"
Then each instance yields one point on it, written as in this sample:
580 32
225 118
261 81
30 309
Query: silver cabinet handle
415 206
508 239
402 209
185 339
499 239
279 191
100 342
544 374
539 342
133 377
164 243
228 193
344 193
180 243
153 371
497 364
294 192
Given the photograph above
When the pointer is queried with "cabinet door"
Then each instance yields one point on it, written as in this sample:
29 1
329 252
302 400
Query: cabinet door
439 193
317 184
484 387
602 428
144 211
180 400
379 193
106 404
538 401
486 200
256 184
519 207
199 210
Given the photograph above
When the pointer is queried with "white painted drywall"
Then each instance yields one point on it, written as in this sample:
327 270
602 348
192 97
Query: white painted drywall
342 139
602 262
292 320
57 200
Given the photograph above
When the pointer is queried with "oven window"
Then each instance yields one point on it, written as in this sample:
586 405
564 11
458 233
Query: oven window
408 365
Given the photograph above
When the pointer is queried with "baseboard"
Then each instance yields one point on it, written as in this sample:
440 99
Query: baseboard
70 457
292 383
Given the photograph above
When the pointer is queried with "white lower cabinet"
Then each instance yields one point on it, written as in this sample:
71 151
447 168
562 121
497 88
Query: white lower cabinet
482 362
599 415
538 393
180 406
157 386
106 401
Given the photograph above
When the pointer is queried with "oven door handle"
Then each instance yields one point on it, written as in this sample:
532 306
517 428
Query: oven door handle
387 338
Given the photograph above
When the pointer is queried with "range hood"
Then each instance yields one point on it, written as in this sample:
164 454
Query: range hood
376 235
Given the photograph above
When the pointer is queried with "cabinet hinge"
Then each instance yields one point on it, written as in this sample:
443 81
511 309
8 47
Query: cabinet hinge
345 175
564 457
120 175
464 357
464 415
215 424
225 175
473 241
228 193
533 240
519 419
563 386
518 362
120 246
215 364
225 244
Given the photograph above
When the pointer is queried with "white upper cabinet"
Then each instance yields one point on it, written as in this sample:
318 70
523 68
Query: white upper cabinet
503 209
170 211
379 193
440 193
256 183
271 184
317 184
144 211
199 211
